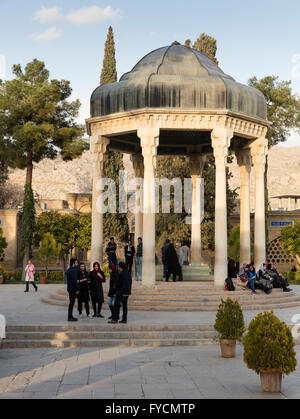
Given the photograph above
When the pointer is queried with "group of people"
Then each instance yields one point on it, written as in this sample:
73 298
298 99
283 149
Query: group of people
266 279
174 258
88 287
130 255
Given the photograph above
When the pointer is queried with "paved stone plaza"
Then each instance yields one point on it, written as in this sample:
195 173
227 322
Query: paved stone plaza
124 373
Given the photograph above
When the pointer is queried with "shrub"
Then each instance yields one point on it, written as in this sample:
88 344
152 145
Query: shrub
4 273
230 320
269 345
56 276
292 276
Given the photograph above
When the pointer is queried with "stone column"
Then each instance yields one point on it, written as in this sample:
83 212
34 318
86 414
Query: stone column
259 152
221 140
245 164
197 162
149 143
98 149
138 166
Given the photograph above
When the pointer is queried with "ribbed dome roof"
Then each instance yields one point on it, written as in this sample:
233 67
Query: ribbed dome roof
177 77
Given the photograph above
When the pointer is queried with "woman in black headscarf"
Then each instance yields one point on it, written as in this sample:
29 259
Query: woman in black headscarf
83 282
97 278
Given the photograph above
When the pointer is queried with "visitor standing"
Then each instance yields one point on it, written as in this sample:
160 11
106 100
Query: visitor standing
73 287
113 284
139 260
186 251
129 256
173 263
178 249
163 257
97 279
111 250
83 298
123 293
29 276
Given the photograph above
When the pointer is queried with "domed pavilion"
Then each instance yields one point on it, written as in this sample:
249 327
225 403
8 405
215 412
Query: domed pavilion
176 101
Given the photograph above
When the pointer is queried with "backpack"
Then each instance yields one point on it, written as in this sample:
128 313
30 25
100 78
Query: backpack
267 286
229 286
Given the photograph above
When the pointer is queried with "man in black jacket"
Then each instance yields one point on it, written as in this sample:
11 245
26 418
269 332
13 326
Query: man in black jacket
111 250
73 287
123 292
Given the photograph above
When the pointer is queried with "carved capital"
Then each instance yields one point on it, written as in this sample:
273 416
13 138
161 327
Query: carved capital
259 152
98 147
138 165
244 160
221 140
149 143
197 163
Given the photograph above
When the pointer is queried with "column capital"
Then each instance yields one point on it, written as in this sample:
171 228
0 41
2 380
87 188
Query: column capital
259 151
197 163
221 139
138 164
98 148
149 143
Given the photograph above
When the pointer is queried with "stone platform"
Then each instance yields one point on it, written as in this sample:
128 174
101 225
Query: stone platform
190 297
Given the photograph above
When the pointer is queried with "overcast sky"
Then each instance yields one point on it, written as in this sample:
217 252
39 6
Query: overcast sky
257 37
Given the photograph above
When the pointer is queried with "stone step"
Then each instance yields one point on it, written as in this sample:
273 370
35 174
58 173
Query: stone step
95 343
114 335
186 308
100 327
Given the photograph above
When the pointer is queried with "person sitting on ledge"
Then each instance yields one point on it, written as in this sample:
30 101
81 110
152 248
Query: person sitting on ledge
278 281
243 277
252 279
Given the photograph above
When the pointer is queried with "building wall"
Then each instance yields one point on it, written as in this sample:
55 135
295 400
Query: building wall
9 220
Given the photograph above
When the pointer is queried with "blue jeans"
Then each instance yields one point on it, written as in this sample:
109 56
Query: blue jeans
251 284
139 268
111 301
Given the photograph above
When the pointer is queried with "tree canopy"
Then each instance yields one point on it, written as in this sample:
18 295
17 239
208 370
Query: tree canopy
283 107
290 241
205 44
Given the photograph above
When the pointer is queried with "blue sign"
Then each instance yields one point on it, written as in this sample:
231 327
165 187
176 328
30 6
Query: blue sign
281 224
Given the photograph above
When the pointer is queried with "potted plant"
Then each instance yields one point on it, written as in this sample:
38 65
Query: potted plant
230 325
269 351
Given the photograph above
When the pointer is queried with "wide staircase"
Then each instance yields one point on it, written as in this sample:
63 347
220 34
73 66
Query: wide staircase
191 297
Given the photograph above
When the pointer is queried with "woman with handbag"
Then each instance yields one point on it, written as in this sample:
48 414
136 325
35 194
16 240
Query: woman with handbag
97 278
29 276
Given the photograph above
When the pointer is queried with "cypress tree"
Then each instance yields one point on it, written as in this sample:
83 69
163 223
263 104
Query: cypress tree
207 46
109 67
114 224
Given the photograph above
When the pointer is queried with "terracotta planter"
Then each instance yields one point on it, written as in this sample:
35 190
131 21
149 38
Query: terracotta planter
271 381
1 280
43 280
228 348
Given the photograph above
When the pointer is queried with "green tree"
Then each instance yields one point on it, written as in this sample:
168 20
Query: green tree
284 112
283 107
205 44
37 122
113 224
62 227
48 252
84 232
28 221
290 241
109 67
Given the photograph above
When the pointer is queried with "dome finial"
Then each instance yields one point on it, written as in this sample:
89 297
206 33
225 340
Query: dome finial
176 43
